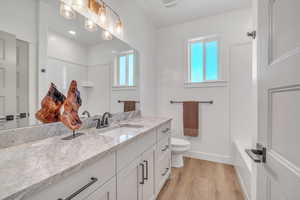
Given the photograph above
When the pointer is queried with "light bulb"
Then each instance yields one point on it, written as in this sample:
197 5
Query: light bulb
107 35
90 25
66 11
111 28
78 3
102 14
119 27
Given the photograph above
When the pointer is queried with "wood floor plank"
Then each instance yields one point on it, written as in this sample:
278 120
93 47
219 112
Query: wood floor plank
202 180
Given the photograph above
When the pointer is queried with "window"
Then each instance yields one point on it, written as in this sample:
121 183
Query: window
125 71
203 60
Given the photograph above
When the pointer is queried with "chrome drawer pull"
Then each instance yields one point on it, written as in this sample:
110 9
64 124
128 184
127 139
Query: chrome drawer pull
143 173
93 180
166 130
166 148
147 170
163 174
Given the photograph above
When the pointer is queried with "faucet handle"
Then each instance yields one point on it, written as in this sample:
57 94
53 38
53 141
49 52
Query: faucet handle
99 123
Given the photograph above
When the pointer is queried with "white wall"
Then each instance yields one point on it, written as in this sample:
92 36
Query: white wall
66 49
21 20
99 97
214 142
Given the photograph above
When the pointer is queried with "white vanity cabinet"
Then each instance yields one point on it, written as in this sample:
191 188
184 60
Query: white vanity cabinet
134 171
143 178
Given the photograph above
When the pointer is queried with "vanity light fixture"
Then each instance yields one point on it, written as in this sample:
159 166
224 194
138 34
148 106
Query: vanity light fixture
100 14
89 25
66 11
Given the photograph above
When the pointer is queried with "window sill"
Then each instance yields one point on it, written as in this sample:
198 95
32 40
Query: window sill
205 84
121 88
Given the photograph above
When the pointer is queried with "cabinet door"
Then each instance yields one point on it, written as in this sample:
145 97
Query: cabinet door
149 171
106 192
130 181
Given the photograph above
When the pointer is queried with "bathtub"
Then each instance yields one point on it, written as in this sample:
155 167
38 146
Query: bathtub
243 167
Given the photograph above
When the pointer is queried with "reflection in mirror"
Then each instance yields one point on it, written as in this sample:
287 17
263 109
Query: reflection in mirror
106 69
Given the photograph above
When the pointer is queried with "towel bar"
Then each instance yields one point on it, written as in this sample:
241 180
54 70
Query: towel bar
125 101
209 102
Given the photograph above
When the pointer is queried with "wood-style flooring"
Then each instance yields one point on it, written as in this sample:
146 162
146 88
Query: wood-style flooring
202 180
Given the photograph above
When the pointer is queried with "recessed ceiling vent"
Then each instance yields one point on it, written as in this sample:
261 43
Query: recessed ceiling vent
169 3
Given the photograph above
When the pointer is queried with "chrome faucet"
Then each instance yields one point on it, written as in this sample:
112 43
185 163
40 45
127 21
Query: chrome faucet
86 113
105 118
103 122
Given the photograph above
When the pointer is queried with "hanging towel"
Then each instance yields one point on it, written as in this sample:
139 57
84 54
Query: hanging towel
129 106
191 118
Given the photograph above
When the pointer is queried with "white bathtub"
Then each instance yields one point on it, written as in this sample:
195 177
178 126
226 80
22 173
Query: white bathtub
243 167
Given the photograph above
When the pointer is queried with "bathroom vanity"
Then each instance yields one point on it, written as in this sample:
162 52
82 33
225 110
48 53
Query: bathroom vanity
127 161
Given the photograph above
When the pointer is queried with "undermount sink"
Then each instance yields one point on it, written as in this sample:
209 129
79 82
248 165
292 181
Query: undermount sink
131 126
122 131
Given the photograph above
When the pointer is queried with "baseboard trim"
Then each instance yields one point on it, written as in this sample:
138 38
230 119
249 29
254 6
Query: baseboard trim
242 184
209 156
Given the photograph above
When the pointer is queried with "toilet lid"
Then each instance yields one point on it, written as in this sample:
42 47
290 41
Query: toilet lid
179 142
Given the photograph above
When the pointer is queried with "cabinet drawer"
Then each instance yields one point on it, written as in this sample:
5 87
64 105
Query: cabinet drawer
106 192
164 169
131 151
163 147
164 130
80 184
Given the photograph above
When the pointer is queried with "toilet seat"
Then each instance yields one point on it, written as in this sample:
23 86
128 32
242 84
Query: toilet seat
180 145
179 142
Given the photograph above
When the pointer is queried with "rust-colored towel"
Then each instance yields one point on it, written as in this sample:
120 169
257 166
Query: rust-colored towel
191 118
129 106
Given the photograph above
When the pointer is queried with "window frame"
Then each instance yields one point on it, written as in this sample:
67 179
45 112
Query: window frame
116 82
203 40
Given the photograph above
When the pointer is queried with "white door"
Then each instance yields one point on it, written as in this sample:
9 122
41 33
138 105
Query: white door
106 192
279 98
129 182
22 61
148 186
7 74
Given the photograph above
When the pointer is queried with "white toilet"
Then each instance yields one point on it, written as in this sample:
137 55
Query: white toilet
179 146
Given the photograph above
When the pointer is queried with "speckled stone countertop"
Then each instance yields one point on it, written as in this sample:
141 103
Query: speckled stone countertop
33 166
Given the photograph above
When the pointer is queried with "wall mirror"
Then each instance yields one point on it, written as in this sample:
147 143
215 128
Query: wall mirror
105 68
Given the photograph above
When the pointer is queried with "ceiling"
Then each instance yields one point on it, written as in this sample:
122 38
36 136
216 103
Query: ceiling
187 10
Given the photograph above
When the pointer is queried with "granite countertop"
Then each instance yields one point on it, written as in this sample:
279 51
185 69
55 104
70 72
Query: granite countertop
33 166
